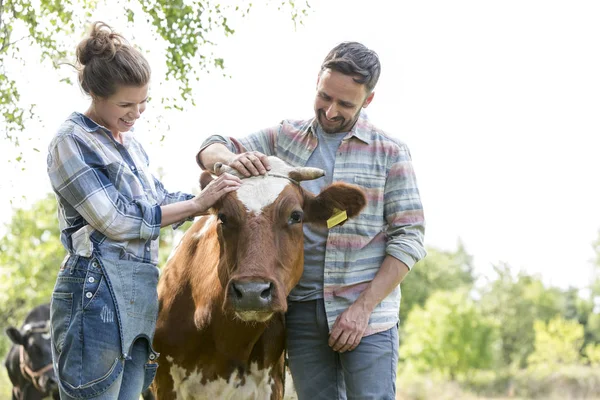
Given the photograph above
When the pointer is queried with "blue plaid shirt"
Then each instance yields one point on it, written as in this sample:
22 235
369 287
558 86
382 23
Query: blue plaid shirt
108 201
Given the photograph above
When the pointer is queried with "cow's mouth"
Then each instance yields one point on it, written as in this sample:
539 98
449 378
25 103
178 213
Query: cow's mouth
254 316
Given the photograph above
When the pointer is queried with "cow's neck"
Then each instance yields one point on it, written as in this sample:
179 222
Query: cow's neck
238 339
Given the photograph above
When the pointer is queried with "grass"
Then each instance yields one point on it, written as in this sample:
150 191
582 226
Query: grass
563 383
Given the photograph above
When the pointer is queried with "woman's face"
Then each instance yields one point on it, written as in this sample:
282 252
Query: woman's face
119 112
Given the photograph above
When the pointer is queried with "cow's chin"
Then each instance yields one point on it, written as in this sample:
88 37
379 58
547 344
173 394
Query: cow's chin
254 316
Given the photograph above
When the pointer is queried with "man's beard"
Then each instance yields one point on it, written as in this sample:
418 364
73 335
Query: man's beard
343 126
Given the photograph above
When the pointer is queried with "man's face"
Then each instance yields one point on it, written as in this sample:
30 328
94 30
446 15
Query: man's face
119 112
339 100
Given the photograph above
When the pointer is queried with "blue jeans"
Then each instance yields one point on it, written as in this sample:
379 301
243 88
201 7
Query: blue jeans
86 333
129 384
367 372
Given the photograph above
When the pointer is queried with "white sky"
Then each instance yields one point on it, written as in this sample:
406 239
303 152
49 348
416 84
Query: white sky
498 101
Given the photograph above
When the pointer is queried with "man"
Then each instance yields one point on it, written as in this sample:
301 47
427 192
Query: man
342 319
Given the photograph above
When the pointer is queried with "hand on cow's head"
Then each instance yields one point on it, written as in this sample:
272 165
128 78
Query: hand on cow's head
213 190
318 209
278 167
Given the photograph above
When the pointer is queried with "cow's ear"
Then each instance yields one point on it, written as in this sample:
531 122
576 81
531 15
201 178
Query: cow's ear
14 335
205 178
337 196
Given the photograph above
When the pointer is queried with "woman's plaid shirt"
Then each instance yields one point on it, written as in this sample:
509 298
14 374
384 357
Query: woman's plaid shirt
108 201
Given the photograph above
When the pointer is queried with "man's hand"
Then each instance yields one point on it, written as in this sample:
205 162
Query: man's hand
349 327
251 163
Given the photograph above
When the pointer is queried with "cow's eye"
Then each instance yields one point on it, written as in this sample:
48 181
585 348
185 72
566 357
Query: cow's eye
296 217
222 217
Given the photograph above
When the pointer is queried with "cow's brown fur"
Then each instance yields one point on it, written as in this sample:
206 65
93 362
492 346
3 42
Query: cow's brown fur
197 325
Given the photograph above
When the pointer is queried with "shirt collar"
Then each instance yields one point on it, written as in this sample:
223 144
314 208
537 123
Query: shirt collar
361 129
84 122
90 126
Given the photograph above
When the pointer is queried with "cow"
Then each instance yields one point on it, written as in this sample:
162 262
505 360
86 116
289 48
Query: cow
29 360
222 294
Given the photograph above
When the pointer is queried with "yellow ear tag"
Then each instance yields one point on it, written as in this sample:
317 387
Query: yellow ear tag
338 217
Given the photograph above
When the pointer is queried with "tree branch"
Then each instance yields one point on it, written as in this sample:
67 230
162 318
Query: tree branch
5 46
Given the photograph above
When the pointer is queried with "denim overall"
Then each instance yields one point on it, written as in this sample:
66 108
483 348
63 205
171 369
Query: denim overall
99 308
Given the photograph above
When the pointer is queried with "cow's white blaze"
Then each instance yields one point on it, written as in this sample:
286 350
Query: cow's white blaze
256 385
257 192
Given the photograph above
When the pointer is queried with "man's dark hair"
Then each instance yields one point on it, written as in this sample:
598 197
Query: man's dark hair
356 60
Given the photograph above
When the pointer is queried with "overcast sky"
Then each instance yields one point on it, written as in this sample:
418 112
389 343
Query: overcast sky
498 102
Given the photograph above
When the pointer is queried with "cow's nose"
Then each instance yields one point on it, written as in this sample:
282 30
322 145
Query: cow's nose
251 295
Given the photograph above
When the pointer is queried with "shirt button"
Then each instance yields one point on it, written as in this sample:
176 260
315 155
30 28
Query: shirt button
89 295
147 248
91 279
95 264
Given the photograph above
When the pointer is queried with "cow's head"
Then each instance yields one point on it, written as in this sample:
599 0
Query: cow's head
35 355
261 237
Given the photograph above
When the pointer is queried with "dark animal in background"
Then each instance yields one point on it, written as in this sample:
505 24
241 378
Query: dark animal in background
29 361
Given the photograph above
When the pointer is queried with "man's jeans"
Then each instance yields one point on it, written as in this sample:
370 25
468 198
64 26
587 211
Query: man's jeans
367 372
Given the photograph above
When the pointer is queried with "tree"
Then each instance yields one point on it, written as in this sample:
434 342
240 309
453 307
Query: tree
449 335
440 270
592 353
516 303
30 256
558 341
185 28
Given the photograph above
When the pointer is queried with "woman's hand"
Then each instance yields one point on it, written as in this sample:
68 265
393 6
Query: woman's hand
216 189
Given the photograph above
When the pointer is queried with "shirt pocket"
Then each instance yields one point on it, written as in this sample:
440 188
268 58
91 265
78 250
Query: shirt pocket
370 221
374 187
61 306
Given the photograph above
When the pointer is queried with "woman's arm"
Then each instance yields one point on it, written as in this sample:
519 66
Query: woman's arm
199 205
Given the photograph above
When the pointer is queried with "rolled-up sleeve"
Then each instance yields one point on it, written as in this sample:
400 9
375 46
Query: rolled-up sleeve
262 141
404 211
165 197
227 142
80 178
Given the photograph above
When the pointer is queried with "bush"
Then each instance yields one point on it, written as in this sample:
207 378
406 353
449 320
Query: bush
563 382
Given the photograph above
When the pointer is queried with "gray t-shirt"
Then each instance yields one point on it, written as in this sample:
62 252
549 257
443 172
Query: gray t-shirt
310 286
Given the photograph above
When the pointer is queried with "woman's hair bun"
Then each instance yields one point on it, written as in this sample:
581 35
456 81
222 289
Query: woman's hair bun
107 61
101 42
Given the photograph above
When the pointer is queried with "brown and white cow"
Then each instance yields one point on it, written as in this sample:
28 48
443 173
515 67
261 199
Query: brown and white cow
222 294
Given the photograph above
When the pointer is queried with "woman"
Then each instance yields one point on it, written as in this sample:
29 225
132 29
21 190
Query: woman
104 304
